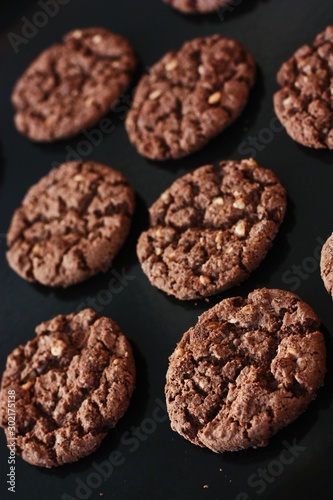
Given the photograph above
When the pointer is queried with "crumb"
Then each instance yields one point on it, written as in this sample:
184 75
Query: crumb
205 486
221 470
101 494
206 299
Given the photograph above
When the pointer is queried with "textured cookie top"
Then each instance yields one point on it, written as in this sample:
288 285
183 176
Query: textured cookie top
246 369
197 6
190 96
72 383
326 265
71 224
71 85
211 228
304 104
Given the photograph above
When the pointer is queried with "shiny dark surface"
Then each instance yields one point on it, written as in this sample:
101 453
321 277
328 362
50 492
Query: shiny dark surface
142 458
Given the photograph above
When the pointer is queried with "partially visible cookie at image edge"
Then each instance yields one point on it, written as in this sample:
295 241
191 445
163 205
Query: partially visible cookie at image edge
189 97
248 368
72 84
197 6
304 104
326 264
72 383
71 224
212 228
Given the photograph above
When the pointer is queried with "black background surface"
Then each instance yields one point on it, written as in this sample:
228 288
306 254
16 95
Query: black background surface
151 461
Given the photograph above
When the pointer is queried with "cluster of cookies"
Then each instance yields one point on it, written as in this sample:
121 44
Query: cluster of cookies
249 366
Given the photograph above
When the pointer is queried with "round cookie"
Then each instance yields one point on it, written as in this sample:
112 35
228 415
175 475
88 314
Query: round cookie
326 265
71 85
211 228
189 97
71 224
304 104
197 6
72 383
247 368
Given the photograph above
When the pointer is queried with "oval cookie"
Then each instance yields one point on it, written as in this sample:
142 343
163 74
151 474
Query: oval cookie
72 383
248 368
304 103
72 84
189 97
71 224
211 228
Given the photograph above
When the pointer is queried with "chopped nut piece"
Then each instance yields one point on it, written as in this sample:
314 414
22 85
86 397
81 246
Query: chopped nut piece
214 98
201 69
239 204
154 95
171 65
77 34
96 39
78 178
89 101
179 352
36 251
219 238
240 228
158 251
158 233
30 382
58 348
218 201
204 280
116 361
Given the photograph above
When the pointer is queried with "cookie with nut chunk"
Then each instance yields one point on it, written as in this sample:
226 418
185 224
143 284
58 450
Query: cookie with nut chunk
190 96
72 383
212 228
71 224
72 84
304 103
248 368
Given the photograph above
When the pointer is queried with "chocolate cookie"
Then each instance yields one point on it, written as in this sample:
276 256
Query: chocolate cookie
71 224
304 104
211 228
72 383
189 97
326 265
248 368
196 6
71 85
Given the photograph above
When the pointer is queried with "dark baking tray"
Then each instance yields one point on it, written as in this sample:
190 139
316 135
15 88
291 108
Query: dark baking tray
142 458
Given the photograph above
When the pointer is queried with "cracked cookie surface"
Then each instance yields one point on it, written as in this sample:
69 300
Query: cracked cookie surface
71 85
72 383
247 368
211 228
304 105
189 97
71 224
197 6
